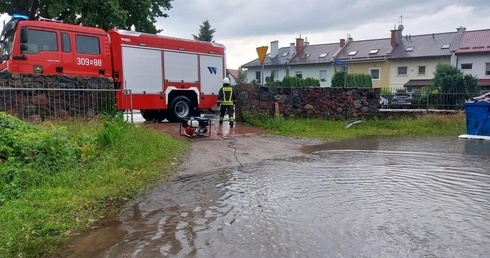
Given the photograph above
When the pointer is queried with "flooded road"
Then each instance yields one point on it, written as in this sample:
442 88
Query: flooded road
379 197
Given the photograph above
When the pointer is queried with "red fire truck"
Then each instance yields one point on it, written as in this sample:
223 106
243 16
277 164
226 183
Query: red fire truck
168 78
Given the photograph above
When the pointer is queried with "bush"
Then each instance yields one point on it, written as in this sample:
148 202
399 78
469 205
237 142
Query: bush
31 156
294 82
354 80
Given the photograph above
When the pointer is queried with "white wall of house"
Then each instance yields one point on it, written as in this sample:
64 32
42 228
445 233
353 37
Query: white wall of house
279 70
414 68
478 64
326 71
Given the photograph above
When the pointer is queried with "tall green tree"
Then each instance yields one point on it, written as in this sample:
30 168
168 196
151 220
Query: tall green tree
205 32
453 85
105 14
449 79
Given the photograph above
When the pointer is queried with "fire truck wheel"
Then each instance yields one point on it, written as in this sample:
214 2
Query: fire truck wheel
181 107
148 115
154 115
161 115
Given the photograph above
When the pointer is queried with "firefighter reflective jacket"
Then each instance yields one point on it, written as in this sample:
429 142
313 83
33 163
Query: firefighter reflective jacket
227 96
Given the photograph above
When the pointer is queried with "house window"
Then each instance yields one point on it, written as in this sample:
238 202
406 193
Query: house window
409 49
323 75
299 74
466 66
257 76
421 70
374 72
323 55
402 70
373 51
353 53
445 46
487 68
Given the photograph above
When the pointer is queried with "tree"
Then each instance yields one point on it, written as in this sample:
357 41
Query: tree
242 76
105 14
452 85
205 32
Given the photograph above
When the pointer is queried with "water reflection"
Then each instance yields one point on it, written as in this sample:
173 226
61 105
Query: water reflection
387 197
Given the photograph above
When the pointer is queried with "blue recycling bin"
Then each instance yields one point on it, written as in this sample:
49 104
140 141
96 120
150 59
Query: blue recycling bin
478 118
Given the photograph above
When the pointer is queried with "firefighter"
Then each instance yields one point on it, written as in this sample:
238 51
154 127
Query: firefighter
226 101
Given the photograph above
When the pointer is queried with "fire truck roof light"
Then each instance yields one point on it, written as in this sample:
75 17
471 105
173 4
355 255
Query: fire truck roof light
20 16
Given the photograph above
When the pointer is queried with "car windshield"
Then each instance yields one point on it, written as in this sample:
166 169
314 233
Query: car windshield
403 95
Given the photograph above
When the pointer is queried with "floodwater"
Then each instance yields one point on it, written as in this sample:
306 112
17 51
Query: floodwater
378 197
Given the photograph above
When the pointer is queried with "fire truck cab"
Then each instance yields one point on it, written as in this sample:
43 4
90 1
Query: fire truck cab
54 48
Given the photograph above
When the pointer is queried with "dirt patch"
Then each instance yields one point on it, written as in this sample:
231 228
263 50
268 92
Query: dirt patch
207 155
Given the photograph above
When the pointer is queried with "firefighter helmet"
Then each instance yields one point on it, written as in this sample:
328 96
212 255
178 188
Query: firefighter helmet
226 80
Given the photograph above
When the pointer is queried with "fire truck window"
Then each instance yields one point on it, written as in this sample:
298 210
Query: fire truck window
65 42
87 45
41 41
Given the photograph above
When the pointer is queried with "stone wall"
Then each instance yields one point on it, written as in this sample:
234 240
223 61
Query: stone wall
39 97
324 103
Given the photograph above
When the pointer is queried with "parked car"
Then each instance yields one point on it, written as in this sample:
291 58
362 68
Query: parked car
383 102
402 100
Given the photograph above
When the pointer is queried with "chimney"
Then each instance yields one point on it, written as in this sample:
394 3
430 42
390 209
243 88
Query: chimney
396 36
342 43
393 38
299 45
274 48
291 50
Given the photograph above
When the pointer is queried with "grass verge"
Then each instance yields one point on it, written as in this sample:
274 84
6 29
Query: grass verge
430 124
67 177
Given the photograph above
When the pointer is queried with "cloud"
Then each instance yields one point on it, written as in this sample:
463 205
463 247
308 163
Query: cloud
244 25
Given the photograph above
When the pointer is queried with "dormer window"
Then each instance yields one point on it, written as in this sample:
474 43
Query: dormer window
373 51
323 55
409 49
445 46
353 52
305 56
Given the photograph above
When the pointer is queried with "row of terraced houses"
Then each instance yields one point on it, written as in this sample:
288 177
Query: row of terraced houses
401 62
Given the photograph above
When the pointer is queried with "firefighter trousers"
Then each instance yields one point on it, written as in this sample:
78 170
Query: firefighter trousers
222 111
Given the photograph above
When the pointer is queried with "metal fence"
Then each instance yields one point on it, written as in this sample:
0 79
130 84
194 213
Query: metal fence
427 101
39 104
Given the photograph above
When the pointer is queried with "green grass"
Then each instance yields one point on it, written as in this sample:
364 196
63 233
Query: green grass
104 164
453 124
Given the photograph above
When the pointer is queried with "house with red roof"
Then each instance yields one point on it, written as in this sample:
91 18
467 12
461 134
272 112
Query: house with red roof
472 56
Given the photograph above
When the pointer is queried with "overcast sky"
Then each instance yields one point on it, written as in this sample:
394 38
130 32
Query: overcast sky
243 25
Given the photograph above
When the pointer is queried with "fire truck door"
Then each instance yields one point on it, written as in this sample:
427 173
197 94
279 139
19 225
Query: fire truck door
66 54
42 54
88 59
